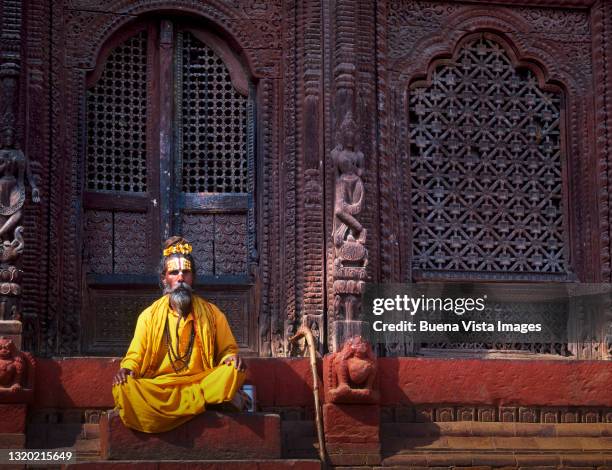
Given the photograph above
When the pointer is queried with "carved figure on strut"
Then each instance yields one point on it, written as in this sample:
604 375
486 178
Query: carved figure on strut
349 235
15 172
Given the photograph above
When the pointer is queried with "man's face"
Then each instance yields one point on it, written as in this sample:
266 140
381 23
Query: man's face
178 270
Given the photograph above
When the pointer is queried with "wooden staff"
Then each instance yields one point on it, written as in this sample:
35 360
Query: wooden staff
304 331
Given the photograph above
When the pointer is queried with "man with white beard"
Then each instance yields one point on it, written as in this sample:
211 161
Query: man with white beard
183 356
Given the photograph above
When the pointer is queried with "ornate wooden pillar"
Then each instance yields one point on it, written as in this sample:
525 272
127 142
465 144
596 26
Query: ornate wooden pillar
348 234
17 372
305 250
10 65
351 165
601 24
14 174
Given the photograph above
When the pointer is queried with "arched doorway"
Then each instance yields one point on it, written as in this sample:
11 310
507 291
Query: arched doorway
169 148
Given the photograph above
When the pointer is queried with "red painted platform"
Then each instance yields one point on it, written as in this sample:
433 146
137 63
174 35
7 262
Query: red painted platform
86 382
209 436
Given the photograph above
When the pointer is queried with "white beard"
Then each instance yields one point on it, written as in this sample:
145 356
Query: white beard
180 298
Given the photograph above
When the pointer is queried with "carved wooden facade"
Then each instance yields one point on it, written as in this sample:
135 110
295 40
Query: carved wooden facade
483 146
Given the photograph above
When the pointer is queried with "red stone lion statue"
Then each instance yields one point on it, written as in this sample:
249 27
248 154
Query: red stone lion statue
353 373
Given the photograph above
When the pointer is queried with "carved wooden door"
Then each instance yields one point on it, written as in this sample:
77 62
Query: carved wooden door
169 150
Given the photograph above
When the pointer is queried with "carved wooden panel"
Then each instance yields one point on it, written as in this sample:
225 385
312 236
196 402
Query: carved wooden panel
219 242
112 317
235 306
131 248
98 240
116 121
231 244
116 242
199 229
556 315
486 164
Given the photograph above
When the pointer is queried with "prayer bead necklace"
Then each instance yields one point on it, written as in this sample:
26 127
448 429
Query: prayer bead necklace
175 356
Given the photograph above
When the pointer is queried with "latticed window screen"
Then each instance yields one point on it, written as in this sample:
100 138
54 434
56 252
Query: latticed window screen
214 123
485 161
116 121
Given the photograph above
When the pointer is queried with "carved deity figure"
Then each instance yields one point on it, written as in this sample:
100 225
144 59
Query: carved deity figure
353 373
12 366
349 235
15 173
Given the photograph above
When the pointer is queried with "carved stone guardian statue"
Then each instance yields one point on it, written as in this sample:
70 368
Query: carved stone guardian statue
16 373
353 373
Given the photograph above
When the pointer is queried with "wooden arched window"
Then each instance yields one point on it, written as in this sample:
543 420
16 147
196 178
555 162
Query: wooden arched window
488 184
169 150
487 163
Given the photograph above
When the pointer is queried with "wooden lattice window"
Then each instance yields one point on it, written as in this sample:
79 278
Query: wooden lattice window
486 162
214 123
116 121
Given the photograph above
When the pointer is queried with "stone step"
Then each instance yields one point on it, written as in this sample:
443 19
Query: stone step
46 435
496 429
550 460
82 438
258 464
209 436
498 444
299 439
87 449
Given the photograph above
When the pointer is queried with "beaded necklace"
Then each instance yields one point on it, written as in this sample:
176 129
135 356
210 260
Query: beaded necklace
182 361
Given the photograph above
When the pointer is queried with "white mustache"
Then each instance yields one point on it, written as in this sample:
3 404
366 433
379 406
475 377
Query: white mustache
181 286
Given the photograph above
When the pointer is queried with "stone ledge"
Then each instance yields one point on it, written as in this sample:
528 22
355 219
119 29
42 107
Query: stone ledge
496 429
475 459
262 464
498 444
209 436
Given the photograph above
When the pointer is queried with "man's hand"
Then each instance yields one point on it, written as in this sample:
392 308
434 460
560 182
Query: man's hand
122 376
237 360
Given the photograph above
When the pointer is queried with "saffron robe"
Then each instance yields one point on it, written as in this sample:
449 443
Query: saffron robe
157 398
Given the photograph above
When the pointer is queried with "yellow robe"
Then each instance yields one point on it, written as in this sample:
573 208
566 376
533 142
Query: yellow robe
157 398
